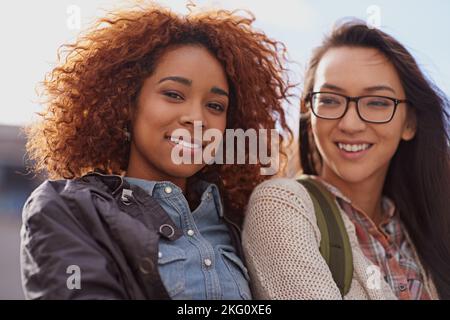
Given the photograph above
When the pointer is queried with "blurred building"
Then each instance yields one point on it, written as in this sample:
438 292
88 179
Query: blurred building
15 183
15 187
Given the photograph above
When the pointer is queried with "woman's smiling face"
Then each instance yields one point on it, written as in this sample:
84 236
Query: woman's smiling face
356 71
188 85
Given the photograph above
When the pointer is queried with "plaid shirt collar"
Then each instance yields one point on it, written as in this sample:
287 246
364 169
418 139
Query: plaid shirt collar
385 245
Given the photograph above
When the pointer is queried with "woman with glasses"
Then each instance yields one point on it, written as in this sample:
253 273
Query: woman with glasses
374 134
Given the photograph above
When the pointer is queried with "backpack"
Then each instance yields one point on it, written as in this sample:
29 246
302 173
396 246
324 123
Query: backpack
334 245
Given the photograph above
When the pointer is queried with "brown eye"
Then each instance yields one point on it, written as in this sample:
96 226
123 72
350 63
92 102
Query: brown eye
173 95
216 107
379 103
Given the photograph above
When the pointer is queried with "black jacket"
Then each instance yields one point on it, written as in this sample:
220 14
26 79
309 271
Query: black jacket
110 238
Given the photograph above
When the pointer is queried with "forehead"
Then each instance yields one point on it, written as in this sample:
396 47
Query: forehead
354 68
190 59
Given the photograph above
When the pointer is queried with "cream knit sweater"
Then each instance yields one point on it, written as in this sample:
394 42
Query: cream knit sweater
281 244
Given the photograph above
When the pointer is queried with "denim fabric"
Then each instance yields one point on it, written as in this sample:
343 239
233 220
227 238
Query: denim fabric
202 264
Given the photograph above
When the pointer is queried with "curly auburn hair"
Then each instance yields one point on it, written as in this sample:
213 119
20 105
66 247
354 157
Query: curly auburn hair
91 94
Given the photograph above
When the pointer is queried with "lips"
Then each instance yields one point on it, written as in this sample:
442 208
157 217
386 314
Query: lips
350 150
353 147
193 144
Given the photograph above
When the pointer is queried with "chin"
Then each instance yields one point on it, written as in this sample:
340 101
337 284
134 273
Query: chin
352 174
353 178
183 170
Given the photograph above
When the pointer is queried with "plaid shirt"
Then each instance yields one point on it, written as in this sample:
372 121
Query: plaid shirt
387 247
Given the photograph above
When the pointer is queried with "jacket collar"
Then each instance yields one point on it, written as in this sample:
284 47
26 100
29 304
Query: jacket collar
114 184
111 183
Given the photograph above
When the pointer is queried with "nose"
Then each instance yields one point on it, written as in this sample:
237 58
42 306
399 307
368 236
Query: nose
193 115
351 122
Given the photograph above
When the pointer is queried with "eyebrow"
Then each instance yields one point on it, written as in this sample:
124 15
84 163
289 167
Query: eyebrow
379 88
368 89
219 91
332 87
188 82
181 80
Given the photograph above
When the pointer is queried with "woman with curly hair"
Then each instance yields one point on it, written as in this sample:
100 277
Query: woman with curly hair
119 219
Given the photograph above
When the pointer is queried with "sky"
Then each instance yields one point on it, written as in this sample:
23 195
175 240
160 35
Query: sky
32 31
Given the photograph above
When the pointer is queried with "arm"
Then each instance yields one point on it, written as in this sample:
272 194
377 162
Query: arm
54 245
281 243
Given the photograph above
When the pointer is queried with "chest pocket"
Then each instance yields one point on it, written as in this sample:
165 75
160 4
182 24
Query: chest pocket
237 270
171 265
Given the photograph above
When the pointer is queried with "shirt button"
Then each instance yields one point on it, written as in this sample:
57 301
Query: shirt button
190 233
207 262
159 255
168 190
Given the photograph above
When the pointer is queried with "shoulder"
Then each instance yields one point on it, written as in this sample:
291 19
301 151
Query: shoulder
279 205
289 192
50 198
46 194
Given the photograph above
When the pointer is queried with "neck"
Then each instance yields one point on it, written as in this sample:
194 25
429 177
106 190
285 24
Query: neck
181 183
365 195
142 170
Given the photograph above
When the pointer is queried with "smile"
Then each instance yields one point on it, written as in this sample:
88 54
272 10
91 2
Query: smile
353 151
353 147
188 145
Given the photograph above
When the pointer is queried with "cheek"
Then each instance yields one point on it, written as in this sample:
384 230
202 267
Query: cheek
321 130
144 125
154 109
388 140
389 135
218 122
155 114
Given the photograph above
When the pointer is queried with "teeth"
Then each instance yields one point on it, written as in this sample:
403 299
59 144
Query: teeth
185 144
353 147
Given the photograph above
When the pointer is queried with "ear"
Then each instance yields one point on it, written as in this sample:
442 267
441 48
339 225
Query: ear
409 131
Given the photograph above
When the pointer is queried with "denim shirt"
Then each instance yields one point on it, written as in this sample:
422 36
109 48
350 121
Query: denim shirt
202 264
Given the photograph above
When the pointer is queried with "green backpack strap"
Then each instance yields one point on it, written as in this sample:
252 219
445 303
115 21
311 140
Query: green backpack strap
334 245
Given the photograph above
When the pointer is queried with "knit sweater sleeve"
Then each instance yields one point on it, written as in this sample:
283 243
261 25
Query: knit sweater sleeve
281 244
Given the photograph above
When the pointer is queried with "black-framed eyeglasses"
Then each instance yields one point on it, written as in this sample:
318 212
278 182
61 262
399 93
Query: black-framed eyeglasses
371 108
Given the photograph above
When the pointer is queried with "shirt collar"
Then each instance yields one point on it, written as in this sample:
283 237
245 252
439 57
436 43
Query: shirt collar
205 188
388 205
147 185
210 189
334 191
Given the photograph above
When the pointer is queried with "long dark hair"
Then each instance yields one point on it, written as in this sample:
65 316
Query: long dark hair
418 179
